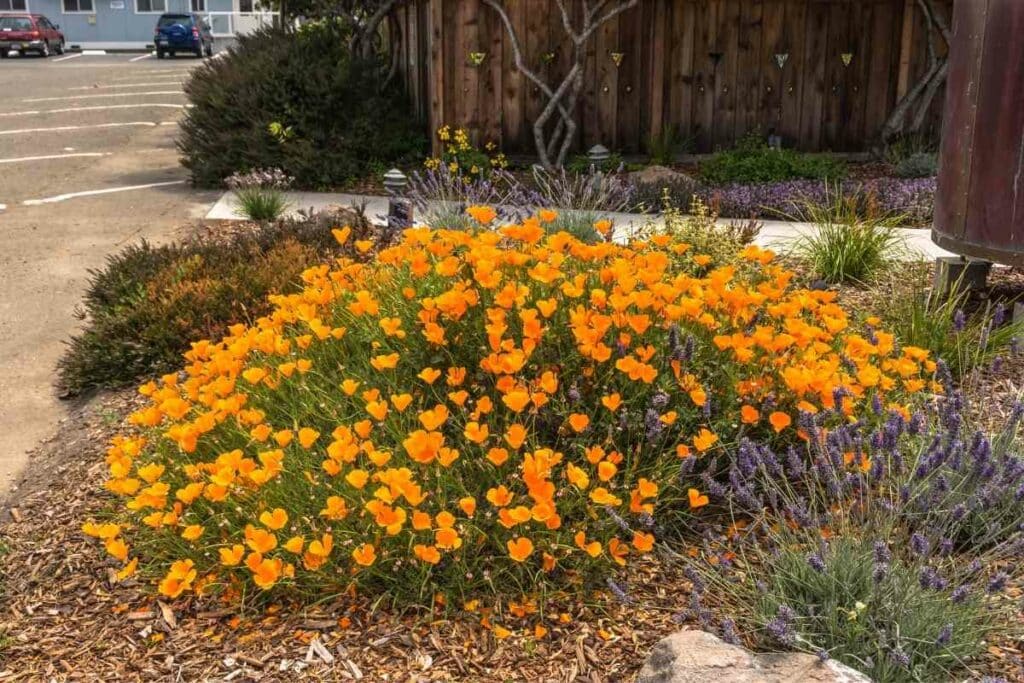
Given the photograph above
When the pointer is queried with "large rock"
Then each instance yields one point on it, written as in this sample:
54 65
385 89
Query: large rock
699 657
661 176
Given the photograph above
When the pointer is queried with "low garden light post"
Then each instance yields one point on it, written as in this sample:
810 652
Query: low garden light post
399 208
597 156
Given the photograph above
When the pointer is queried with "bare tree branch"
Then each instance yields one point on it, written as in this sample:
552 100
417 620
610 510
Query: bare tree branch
563 98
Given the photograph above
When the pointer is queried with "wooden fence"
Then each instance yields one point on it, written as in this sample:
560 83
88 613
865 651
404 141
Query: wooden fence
823 74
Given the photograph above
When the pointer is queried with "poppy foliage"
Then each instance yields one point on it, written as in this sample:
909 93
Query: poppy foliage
501 410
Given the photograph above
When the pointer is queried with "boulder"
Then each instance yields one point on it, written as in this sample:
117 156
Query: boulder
661 176
699 657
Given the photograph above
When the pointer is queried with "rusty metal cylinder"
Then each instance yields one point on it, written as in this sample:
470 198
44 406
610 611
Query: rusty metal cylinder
979 206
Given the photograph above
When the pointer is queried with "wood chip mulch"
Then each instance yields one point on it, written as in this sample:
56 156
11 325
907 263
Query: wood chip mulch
63 617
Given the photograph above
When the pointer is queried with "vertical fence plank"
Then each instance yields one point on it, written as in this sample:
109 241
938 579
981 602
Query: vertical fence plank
879 90
727 45
793 72
749 67
815 56
770 82
607 41
627 111
513 83
706 24
658 58
836 90
436 83
681 81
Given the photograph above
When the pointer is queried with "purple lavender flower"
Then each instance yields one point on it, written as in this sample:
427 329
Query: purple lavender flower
959 321
945 635
729 632
960 593
619 592
900 657
881 552
998 582
919 544
816 563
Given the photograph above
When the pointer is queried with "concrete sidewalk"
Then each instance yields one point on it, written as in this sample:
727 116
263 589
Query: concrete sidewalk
775 234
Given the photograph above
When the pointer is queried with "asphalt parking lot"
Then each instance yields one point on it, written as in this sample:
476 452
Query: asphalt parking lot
88 163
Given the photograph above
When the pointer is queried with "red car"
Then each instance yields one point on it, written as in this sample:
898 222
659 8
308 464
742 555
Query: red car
29 33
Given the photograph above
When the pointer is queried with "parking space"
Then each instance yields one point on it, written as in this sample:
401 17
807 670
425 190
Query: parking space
88 163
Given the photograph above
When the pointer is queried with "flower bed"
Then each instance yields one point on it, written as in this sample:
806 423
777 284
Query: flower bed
479 412
911 198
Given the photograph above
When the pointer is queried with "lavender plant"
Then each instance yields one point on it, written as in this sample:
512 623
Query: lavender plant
440 195
885 548
259 193
582 199
911 198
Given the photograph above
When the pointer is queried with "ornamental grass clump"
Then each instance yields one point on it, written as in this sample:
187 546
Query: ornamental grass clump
883 547
499 412
259 193
844 244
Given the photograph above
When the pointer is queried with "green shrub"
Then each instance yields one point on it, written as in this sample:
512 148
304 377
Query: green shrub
847 244
295 101
145 306
902 147
702 232
920 165
754 162
580 164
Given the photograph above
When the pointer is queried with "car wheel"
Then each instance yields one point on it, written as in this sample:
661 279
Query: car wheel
3 54
60 47
160 54
209 50
45 52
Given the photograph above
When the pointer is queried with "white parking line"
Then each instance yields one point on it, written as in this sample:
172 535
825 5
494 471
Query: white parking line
54 156
182 72
140 57
102 108
109 94
127 85
3 207
57 129
89 193
94 53
67 57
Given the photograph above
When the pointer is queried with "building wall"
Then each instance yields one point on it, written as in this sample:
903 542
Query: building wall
115 23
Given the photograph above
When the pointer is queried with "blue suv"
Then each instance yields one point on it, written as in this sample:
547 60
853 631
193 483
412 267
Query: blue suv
182 33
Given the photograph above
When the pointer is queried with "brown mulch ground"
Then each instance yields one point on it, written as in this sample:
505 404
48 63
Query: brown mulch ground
63 617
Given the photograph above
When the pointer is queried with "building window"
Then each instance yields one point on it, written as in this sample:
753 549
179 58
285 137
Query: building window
13 5
151 6
198 5
243 5
72 6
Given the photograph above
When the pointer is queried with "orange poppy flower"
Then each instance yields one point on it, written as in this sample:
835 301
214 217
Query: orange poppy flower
364 555
519 548
697 499
779 421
